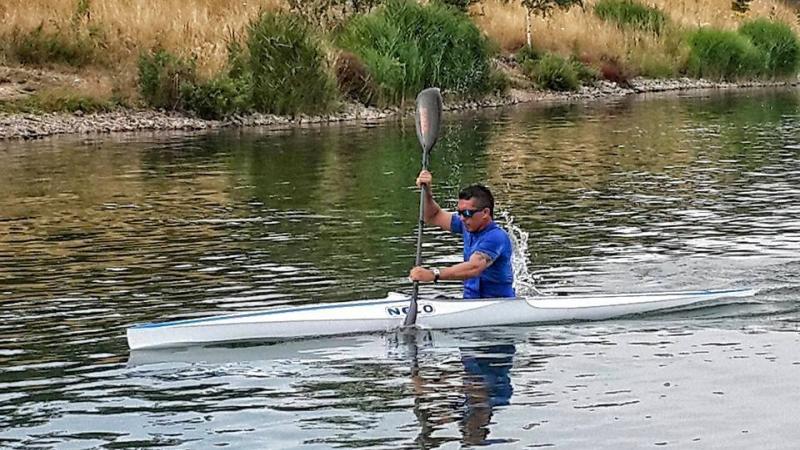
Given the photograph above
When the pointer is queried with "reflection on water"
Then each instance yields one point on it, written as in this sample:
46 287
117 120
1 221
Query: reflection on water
445 395
657 193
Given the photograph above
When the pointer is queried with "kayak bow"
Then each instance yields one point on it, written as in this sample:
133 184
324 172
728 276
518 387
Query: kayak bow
380 315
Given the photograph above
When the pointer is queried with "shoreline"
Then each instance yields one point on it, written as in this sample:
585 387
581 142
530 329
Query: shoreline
36 126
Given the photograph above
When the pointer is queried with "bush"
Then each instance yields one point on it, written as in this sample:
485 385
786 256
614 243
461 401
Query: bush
408 47
628 13
527 53
586 73
727 55
72 47
354 79
497 82
163 78
218 98
553 72
778 43
288 67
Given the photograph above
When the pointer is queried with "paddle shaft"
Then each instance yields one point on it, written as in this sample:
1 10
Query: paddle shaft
411 316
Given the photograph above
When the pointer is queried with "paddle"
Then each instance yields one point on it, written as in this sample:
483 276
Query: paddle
428 118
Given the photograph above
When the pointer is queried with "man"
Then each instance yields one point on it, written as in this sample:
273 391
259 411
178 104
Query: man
487 271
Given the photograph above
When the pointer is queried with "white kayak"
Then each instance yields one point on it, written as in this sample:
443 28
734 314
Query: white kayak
330 319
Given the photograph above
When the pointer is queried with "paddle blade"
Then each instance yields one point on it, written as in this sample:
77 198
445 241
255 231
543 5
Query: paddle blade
429 116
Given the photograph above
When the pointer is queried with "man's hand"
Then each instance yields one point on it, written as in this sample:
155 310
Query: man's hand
424 177
421 274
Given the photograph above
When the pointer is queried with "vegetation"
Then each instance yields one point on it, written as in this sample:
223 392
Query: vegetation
628 13
553 72
725 55
407 46
70 47
288 67
760 49
163 77
542 8
778 43
59 100
217 58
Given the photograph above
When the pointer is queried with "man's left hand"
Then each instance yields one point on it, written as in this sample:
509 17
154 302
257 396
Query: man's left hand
420 274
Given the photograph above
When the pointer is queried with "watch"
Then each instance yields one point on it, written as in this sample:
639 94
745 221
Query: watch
436 274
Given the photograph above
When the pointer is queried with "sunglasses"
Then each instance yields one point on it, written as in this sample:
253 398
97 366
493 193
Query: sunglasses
468 213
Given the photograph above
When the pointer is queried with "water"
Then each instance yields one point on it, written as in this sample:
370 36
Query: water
658 193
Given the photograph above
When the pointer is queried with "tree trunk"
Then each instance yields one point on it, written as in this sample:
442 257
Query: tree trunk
528 26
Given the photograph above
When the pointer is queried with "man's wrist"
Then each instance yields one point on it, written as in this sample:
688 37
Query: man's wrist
436 275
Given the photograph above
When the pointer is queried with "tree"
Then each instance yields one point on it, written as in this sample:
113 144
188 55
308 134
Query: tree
543 8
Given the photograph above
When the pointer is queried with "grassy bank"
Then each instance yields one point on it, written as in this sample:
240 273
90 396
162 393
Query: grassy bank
625 50
215 58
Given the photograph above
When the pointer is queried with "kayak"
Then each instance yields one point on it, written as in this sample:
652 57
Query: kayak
381 315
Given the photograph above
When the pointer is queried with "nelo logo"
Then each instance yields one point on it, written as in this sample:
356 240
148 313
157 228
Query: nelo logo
395 311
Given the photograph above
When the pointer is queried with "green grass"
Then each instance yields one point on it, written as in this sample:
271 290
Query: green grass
631 14
407 47
778 43
724 55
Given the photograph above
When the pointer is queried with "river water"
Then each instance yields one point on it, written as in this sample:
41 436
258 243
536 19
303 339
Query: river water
639 194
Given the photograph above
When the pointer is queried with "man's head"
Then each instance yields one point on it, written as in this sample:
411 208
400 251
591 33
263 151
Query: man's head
475 207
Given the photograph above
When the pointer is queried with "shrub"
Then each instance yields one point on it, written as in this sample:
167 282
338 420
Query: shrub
553 72
628 13
407 46
527 53
586 73
725 55
288 67
163 77
218 98
354 79
778 43
497 82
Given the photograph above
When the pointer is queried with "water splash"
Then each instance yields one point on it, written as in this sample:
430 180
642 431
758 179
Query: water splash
524 280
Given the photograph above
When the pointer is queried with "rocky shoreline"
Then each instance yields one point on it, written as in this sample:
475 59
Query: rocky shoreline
34 126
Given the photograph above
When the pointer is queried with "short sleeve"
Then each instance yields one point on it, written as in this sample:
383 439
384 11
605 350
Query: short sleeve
456 225
491 245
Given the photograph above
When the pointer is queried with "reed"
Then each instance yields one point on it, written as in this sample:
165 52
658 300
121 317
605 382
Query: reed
407 46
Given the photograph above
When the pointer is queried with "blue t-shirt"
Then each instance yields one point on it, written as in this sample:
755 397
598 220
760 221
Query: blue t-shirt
498 279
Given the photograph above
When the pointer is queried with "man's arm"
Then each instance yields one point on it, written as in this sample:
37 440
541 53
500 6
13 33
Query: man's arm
433 214
477 263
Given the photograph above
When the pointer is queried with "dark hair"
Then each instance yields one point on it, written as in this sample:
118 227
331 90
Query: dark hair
482 195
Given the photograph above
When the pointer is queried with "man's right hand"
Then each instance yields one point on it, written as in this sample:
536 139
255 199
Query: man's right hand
424 177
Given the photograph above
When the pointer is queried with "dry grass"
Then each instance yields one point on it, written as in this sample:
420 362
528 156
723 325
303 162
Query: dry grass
203 28
200 28
578 30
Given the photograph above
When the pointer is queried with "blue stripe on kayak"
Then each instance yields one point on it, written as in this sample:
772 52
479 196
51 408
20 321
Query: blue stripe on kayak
353 305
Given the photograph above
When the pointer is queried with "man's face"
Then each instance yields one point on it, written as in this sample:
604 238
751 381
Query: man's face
473 217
